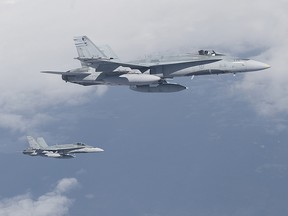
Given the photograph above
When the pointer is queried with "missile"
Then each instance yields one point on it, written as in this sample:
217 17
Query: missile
57 155
167 87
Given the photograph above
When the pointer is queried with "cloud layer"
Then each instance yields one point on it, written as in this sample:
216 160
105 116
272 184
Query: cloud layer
34 41
51 203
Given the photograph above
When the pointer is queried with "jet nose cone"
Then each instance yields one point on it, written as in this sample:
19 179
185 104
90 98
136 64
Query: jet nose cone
98 150
256 65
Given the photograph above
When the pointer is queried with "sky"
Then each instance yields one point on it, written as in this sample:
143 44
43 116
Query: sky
219 148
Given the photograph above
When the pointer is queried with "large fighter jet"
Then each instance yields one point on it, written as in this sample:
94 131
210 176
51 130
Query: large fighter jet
40 148
100 66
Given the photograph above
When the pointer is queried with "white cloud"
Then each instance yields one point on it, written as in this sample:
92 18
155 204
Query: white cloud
268 90
66 184
27 97
51 203
8 2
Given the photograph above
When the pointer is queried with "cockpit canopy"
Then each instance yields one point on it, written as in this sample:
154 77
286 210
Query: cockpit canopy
80 144
209 53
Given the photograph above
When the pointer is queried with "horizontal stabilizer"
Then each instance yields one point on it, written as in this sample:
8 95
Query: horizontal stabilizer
66 73
54 72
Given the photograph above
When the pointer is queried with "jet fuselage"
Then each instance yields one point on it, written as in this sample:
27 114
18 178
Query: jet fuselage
100 66
63 151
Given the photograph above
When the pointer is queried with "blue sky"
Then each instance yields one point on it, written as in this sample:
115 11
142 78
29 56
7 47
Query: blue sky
219 148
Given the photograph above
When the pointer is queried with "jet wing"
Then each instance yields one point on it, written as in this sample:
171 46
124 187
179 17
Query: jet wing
62 150
108 65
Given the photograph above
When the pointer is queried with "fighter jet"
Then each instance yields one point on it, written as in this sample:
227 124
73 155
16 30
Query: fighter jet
101 66
63 151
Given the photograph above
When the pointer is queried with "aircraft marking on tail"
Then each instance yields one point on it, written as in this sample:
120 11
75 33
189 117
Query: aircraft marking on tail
87 49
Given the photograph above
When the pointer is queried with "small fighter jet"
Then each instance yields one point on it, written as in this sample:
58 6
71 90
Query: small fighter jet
101 66
40 148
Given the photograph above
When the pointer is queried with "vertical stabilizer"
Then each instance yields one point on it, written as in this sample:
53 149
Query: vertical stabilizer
106 49
41 142
32 143
87 49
